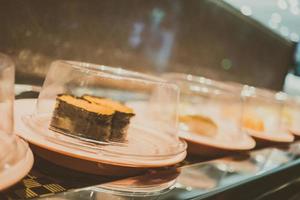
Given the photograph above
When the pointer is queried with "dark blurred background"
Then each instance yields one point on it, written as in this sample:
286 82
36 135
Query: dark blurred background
207 37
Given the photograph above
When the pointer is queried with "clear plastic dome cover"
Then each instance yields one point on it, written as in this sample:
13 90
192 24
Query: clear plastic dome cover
208 108
10 150
291 114
263 110
113 111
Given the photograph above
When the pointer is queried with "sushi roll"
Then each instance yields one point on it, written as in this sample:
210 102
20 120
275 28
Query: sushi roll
79 117
199 125
121 117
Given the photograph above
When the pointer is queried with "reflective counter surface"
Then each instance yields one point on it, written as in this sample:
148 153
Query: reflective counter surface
201 180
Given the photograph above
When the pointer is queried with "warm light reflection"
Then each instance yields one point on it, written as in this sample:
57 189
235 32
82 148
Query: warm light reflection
284 30
282 4
294 37
276 18
246 10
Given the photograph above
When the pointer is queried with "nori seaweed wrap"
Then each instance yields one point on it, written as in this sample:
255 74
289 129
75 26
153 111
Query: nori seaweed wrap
121 117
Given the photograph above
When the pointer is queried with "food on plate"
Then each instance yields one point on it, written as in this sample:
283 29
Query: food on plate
198 124
254 123
121 117
76 116
91 117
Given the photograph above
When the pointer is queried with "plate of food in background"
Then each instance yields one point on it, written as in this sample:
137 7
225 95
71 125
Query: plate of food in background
210 116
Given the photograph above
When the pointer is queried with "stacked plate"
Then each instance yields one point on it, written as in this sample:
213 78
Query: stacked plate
16 158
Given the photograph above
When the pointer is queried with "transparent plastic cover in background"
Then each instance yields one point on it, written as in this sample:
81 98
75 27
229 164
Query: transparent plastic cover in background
153 102
210 102
291 114
7 139
263 110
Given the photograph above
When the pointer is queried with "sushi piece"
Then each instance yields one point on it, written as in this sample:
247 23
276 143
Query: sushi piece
253 122
198 124
79 117
121 117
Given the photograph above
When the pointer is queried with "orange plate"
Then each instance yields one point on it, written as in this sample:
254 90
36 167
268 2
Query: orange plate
263 138
212 146
295 132
83 165
70 157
